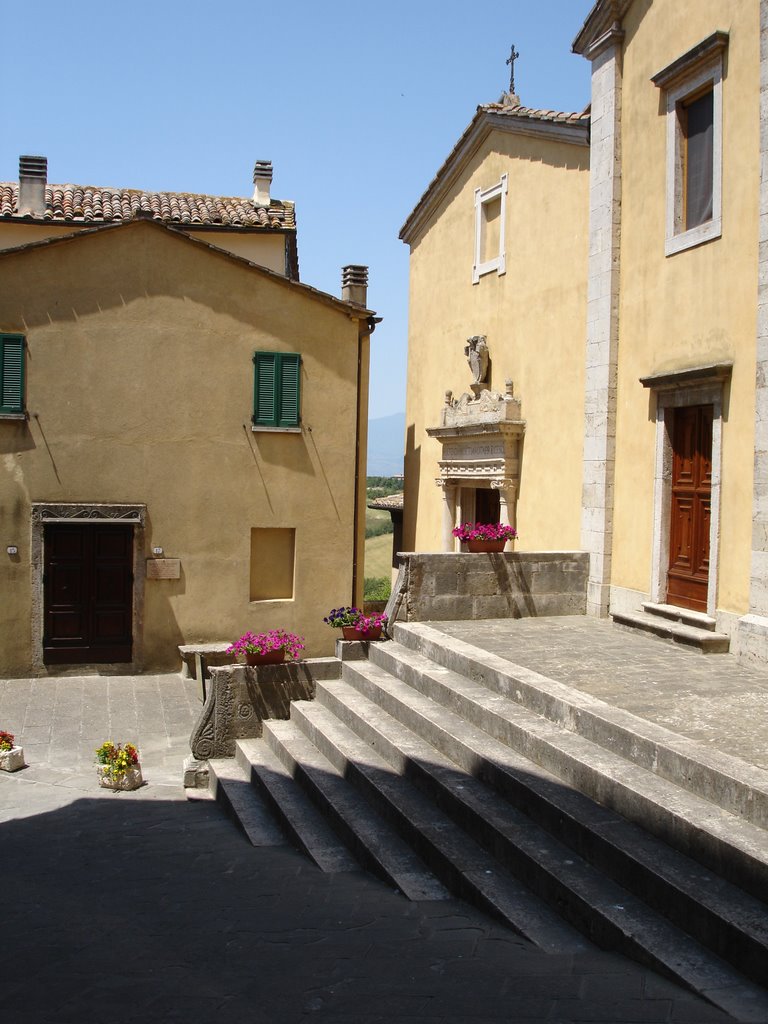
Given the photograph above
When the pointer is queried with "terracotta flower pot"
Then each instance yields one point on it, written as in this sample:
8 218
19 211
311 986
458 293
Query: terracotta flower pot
270 658
486 545
350 633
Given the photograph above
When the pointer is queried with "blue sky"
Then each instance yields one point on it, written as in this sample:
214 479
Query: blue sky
356 104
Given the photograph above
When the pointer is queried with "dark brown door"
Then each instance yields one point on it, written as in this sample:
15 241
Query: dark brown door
691 507
487 505
88 585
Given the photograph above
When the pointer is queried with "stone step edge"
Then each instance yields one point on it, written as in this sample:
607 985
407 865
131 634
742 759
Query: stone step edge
309 767
298 816
706 640
230 787
685 615
721 908
621 919
654 747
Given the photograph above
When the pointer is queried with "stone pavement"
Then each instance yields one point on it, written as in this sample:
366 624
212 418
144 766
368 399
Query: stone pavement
144 907
711 698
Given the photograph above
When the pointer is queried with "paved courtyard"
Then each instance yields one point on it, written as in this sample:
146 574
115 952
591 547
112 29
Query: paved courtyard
144 907
710 698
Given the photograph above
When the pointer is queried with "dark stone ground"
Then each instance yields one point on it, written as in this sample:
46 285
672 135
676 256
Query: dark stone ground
147 908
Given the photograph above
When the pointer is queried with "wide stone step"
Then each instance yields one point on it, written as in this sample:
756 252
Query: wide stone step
461 864
723 842
300 819
392 718
363 831
730 783
703 639
231 786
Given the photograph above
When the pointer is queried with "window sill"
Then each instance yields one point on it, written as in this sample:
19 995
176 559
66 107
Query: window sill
696 236
257 429
13 415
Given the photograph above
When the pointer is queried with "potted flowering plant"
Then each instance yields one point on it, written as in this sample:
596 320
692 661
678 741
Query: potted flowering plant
356 625
485 536
268 648
119 766
11 756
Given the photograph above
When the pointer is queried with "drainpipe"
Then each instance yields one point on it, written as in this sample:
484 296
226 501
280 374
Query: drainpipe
354 289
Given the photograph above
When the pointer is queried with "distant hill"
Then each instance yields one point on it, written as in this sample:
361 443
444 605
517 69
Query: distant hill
386 443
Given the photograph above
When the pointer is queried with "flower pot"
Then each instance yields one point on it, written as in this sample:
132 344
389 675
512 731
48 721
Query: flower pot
270 658
350 633
130 779
486 545
11 760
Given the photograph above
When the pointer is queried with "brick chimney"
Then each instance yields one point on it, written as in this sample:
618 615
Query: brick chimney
262 179
354 284
33 176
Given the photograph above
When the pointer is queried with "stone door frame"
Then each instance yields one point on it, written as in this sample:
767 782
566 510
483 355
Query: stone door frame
702 386
44 513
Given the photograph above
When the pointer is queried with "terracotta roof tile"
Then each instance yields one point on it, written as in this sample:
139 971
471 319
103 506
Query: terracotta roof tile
390 502
90 204
532 114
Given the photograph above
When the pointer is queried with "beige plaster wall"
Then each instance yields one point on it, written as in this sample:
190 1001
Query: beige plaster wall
267 249
697 306
139 390
533 317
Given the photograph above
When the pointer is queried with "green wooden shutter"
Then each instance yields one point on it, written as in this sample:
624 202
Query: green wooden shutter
265 388
11 373
290 386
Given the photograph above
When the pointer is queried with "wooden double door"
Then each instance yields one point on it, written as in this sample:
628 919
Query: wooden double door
691 507
88 593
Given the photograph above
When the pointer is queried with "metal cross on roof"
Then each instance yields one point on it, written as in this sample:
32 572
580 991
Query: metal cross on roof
513 55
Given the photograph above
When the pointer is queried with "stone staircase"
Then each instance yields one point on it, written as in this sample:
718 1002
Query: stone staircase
446 770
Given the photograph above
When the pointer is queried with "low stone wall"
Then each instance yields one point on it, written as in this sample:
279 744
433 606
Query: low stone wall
444 586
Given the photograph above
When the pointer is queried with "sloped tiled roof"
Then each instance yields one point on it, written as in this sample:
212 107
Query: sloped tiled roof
532 114
92 204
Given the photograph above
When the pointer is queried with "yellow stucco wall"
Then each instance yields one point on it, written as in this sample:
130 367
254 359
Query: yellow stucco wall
533 317
697 306
139 390
265 249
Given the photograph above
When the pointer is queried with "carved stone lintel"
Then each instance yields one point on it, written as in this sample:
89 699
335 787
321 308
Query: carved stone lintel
46 513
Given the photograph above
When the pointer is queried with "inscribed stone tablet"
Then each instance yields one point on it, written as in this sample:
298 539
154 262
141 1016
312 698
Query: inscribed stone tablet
163 568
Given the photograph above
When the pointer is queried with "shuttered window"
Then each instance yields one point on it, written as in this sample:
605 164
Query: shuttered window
276 389
11 373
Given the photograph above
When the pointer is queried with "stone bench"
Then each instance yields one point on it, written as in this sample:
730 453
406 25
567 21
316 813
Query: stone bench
196 659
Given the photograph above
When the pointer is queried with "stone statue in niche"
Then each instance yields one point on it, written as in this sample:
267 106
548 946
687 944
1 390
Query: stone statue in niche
476 351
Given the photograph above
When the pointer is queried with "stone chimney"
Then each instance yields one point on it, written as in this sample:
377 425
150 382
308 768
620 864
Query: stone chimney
354 284
33 176
262 179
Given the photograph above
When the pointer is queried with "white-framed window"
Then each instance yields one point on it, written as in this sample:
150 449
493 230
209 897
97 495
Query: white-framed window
490 219
693 87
